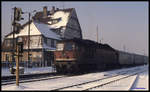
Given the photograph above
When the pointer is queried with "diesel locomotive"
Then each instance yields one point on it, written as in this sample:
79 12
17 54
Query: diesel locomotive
81 55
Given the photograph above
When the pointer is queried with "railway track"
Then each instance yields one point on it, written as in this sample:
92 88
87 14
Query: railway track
28 78
91 85
31 78
13 77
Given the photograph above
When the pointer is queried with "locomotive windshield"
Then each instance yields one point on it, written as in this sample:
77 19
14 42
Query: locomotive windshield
60 46
69 46
65 46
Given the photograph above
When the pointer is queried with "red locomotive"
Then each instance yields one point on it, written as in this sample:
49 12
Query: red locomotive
78 55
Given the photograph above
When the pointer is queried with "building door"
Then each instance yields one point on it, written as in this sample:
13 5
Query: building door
49 58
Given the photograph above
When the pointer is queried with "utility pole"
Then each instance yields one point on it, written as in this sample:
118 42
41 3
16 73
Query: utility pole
19 51
97 33
14 26
63 4
29 41
124 48
11 60
17 60
17 67
29 13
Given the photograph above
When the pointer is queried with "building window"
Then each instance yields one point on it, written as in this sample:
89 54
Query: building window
7 57
54 21
9 42
45 40
55 43
52 43
60 46
68 46
49 42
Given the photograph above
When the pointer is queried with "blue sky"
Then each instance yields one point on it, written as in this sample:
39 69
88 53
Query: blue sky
119 23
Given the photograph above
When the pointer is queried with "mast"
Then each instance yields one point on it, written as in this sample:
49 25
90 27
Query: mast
97 33
63 5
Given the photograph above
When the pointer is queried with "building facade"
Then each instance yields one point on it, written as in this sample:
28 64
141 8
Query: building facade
46 28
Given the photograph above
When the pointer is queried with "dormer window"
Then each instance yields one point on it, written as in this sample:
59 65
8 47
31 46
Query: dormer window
54 21
59 19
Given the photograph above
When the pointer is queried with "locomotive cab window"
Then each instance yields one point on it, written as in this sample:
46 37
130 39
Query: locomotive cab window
60 46
69 46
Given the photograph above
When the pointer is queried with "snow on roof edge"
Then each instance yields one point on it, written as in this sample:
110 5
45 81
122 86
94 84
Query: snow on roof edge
45 30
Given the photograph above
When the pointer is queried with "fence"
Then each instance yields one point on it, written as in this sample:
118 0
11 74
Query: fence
26 64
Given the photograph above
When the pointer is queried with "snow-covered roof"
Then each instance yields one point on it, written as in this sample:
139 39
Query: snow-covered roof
24 31
64 16
61 14
44 25
37 29
45 30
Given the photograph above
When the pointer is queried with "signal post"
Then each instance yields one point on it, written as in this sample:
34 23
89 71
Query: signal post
17 67
19 45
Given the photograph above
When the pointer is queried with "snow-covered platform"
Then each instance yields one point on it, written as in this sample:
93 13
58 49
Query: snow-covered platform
6 71
140 83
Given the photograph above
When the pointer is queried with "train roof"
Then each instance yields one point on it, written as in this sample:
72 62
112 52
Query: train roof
131 53
89 43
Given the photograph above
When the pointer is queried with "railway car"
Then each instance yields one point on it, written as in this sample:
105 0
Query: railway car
78 55
146 59
139 59
130 59
126 59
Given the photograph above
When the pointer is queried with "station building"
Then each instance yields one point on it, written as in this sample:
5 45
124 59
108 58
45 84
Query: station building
46 28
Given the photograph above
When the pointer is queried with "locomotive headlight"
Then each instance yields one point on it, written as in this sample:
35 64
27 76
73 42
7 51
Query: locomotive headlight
67 57
64 54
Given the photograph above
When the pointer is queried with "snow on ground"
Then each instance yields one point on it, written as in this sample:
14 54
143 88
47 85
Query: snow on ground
6 71
142 82
62 82
124 84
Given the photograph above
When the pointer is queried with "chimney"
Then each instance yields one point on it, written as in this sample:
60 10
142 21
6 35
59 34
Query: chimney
45 11
53 9
57 9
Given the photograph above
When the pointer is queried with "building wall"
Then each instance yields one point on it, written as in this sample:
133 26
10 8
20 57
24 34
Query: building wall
3 58
73 28
35 42
38 58
49 42
38 55
38 41
7 44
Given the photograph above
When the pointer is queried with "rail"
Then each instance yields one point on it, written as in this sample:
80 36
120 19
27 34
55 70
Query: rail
31 78
104 81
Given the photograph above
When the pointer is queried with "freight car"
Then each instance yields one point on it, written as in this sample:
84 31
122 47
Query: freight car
130 59
78 55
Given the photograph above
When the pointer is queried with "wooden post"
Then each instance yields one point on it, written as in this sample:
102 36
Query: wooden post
29 42
14 26
17 67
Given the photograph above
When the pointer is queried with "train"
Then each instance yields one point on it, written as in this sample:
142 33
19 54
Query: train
83 55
